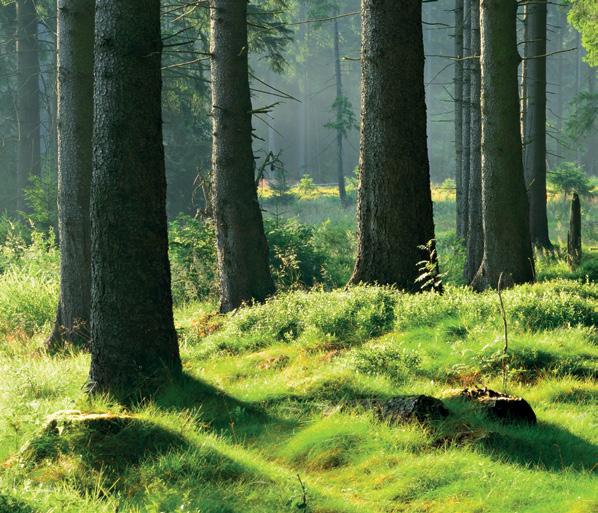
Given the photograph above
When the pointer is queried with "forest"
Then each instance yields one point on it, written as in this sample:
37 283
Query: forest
322 256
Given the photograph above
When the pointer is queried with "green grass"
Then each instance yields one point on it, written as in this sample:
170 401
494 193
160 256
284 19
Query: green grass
289 388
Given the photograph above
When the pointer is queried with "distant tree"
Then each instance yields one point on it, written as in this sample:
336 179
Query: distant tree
133 338
507 243
395 218
28 98
535 122
242 247
475 229
75 28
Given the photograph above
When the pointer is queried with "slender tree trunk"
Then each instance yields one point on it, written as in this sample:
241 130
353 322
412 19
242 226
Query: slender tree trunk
395 202
507 243
340 174
466 171
523 93
133 338
535 161
458 83
574 236
75 28
475 231
28 93
242 246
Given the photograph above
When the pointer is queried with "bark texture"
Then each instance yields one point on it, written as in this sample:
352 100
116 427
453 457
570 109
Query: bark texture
395 203
242 246
28 98
475 230
75 29
133 338
535 124
340 174
467 65
507 244
574 235
458 84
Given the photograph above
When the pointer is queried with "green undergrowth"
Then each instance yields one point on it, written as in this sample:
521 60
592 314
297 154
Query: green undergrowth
277 412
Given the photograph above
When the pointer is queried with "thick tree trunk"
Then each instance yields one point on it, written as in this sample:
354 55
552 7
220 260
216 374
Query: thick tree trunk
467 63
132 329
242 246
458 84
28 93
395 204
535 126
475 231
507 244
340 173
574 236
75 28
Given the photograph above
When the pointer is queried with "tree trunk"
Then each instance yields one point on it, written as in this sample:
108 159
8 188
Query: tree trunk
574 236
75 28
132 329
475 231
28 93
507 244
242 246
523 85
458 80
395 202
466 171
340 174
535 160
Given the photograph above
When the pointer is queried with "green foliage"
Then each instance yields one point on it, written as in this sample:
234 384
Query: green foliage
582 121
306 186
569 178
41 200
345 120
387 360
583 15
192 253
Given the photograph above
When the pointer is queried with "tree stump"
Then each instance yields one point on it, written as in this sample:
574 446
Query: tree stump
501 407
574 236
412 407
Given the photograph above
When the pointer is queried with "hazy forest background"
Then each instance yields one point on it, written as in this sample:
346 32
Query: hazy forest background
361 276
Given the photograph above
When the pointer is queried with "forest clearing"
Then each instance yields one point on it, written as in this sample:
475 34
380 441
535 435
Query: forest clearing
298 255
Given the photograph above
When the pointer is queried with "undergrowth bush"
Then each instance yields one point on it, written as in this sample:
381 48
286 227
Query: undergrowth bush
394 362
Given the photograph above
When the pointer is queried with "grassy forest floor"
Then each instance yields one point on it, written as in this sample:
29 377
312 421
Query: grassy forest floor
276 409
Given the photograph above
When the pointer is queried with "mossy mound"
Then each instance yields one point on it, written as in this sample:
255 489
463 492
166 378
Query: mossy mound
106 441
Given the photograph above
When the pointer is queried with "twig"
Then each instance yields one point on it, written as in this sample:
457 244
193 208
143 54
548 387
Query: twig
506 334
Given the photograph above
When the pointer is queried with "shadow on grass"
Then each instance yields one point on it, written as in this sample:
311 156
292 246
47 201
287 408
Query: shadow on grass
222 412
544 446
9 504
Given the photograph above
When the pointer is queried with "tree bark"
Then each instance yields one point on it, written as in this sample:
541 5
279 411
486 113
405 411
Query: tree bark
340 174
242 246
458 84
395 202
75 29
28 93
535 126
467 63
507 243
133 339
475 231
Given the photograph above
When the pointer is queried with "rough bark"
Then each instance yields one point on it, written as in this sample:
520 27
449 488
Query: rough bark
535 125
574 236
133 339
467 63
242 246
75 29
28 94
475 230
340 173
507 244
395 204
458 84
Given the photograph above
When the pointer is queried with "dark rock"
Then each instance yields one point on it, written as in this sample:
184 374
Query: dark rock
412 407
504 408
